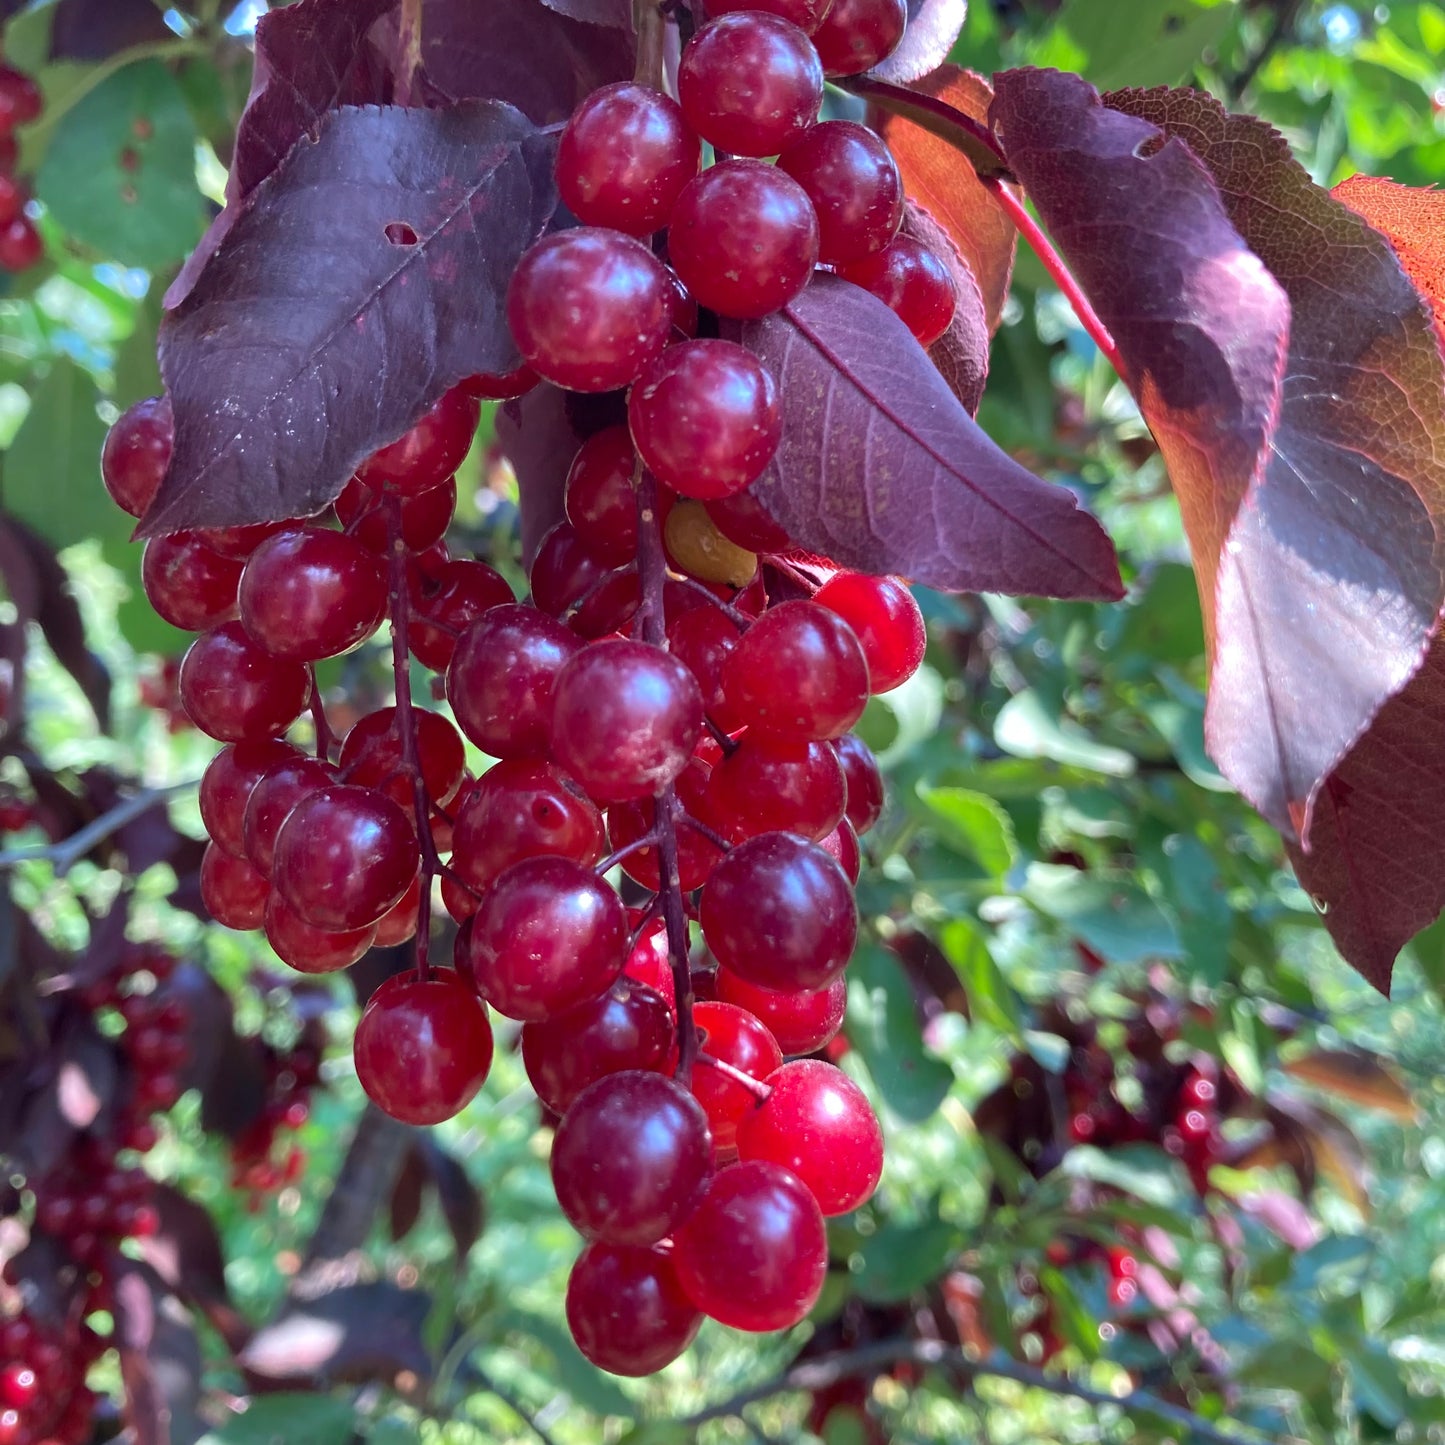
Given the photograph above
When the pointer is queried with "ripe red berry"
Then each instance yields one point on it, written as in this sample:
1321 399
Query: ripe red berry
630 1158
737 1038
20 245
589 308
547 935
842 845
601 503
20 99
701 640
886 621
500 385
801 1020
278 790
856 34
425 517
232 688
344 857
226 788
625 719
430 452
448 603
626 1310
913 282
865 781
817 1123
627 1027
623 158
854 184
705 417
754 1252
232 890
779 912
750 83
309 593
309 949
571 582
743 238
696 853
777 785
807 15
189 584
799 672
423 1047
742 520
137 452
500 678
372 755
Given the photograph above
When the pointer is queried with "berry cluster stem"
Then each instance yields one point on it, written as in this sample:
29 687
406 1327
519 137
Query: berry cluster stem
652 570
759 1090
399 608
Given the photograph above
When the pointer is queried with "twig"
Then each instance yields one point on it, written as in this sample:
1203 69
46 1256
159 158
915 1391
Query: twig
651 26
512 1403
977 142
1285 15
65 854
1062 277
826 1370
410 46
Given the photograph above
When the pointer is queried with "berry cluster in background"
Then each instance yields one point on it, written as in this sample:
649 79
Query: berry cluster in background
20 105
674 703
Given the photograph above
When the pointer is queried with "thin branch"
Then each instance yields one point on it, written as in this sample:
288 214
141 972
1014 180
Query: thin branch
826 1370
410 46
512 1403
1285 16
972 137
65 854
1062 277
651 26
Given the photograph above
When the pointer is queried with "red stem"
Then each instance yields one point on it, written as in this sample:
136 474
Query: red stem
759 1090
326 740
1062 277
652 568
399 605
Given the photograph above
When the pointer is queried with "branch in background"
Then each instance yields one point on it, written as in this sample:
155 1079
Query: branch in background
827 1370
512 1403
410 49
1285 16
65 854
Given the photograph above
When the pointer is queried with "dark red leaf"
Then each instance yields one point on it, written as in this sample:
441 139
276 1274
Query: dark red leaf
185 1252
77 1088
359 1332
882 470
617 13
1414 221
98 29
404 1207
460 1199
272 419
1310 489
961 353
938 178
160 1359
933 26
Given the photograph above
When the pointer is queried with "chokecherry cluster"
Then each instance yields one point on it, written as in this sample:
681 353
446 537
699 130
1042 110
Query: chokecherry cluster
675 704
20 104
261 1160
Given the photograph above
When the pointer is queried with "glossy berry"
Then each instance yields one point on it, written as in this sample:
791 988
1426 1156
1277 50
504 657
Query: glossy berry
601 503
344 857
913 282
227 784
137 452
430 452
625 719
801 1020
425 516
817 1123
702 639
742 519
20 99
807 15
310 593
20 245
399 923
189 584
696 853
423 1047
779 912
232 890
623 158
842 846
626 1310
546 936
232 688
571 582
372 755
865 781
771 785
886 621
500 385
278 790
705 418
589 308
309 949
460 593
19 1385
630 1157
754 1252
751 84
856 34
524 808
627 1027
735 1037
500 679
855 187
743 238
799 672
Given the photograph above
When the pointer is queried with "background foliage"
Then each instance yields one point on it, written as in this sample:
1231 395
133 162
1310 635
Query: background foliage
1062 875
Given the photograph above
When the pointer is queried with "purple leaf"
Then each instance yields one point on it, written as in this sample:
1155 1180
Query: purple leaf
616 13
185 1252
160 1359
98 29
882 470
77 1088
407 1193
311 338
933 26
460 1199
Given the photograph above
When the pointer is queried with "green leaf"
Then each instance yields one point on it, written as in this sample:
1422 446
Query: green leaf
1113 915
1165 624
1143 42
52 468
120 172
284 1419
900 1259
1140 1170
990 997
973 824
1027 729
1376 1378
883 1027
137 373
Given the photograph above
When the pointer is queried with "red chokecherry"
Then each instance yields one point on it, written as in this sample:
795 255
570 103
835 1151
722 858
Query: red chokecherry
137 452
801 1020
188 583
856 34
601 503
855 187
912 281
886 621
232 688
430 452
626 1310
734 1037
